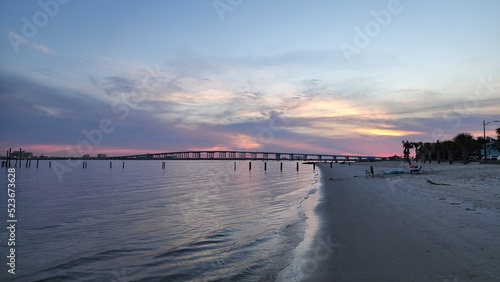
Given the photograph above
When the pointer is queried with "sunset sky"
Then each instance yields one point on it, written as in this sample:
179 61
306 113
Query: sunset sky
325 76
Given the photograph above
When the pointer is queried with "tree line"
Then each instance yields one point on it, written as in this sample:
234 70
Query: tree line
462 146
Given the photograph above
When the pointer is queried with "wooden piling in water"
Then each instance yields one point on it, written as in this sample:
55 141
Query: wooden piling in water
50 164
37 162
249 165
331 164
234 165
297 166
163 165
314 166
123 165
281 166
9 156
265 166
110 164
20 150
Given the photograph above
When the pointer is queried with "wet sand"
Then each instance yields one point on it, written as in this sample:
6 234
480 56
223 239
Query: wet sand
402 227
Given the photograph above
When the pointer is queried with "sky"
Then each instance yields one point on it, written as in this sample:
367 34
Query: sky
328 77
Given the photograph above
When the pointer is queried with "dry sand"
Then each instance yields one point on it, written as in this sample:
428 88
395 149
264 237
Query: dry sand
402 227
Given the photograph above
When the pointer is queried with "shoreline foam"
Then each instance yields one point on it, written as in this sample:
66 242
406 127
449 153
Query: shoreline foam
401 227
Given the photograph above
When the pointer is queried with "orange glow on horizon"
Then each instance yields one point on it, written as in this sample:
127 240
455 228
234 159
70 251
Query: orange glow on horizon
326 108
386 132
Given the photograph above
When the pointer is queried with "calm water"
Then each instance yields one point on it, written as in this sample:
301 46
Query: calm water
193 221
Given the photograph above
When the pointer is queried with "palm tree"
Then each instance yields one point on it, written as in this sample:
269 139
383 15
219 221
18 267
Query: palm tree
406 150
438 146
426 150
477 147
449 146
497 145
465 141
416 145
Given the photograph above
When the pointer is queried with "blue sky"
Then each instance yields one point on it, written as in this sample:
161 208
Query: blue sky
351 77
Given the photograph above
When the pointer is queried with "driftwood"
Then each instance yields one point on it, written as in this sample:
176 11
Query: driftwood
431 182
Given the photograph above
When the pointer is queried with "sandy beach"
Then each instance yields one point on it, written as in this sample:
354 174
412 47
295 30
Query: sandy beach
441 225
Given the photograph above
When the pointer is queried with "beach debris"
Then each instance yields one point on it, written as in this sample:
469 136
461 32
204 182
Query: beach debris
393 171
432 182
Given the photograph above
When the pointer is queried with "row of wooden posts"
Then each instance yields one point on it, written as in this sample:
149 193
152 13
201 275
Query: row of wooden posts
163 164
249 166
8 164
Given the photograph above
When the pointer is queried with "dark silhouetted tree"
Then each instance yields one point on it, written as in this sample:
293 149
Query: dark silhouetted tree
497 145
438 146
406 150
449 146
416 145
466 142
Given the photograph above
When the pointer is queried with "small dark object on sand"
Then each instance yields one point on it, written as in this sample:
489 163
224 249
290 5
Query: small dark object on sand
431 182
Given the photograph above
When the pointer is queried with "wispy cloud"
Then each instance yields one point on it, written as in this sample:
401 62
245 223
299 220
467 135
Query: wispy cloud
195 102
14 37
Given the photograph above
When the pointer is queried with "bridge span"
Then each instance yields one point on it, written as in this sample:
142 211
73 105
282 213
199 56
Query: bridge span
243 155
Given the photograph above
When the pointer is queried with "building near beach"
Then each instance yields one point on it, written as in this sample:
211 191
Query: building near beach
24 154
492 152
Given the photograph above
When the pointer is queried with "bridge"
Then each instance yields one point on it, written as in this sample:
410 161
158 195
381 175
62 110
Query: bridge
242 155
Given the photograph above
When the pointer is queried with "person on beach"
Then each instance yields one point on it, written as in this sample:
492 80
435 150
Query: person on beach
371 170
